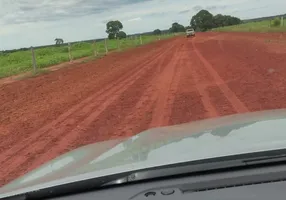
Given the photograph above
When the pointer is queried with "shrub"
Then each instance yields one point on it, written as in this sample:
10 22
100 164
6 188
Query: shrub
275 22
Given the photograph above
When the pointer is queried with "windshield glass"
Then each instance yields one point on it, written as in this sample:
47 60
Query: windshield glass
85 72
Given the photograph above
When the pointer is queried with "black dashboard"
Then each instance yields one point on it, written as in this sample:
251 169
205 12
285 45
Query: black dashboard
261 183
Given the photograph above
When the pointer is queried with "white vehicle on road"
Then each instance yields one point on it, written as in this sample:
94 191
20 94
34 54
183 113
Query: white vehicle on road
190 32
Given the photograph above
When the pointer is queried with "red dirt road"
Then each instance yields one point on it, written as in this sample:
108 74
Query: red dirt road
168 82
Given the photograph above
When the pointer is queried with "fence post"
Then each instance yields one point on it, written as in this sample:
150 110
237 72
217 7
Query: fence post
105 44
94 48
141 42
282 21
70 56
118 44
34 60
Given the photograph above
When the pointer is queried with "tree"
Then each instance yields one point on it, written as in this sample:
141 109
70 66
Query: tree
113 28
121 35
203 20
176 27
59 41
157 32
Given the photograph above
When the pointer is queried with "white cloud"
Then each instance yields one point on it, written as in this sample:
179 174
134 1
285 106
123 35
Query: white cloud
135 19
25 23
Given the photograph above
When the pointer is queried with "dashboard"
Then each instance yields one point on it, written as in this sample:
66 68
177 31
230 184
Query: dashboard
261 183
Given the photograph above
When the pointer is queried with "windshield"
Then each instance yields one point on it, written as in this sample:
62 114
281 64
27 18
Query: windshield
83 72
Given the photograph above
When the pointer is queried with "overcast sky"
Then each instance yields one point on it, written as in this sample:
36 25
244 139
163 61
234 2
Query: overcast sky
25 23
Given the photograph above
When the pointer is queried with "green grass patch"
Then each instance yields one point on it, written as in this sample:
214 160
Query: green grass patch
261 26
21 61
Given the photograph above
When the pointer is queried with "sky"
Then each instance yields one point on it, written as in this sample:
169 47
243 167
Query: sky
26 23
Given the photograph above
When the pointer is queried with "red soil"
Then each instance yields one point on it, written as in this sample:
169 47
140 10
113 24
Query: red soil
168 82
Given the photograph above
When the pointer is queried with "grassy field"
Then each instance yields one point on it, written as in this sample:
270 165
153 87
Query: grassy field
21 61
262 26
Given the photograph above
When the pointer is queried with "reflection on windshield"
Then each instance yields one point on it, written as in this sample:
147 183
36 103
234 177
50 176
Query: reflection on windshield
146 150
57 165
224 131
138 150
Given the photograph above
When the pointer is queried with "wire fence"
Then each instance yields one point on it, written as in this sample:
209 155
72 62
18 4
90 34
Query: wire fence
37 58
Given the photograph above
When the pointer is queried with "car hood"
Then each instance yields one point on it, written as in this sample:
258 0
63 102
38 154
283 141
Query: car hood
211 138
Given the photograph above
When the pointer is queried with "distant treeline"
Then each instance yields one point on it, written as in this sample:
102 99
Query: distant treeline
86 41
204 21
44 46
263 18
208 21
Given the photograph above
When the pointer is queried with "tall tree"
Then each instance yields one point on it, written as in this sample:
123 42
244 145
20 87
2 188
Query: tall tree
113 28
203 20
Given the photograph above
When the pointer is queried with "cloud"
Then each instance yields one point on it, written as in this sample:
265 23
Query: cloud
25 23
51 10
134 19
184 11
197 8
211 7
215 7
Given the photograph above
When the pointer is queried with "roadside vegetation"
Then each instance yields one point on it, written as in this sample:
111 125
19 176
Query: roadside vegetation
274 25
18 61
21 61
204 21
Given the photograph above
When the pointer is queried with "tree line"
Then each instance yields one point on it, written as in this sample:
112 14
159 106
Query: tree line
204 21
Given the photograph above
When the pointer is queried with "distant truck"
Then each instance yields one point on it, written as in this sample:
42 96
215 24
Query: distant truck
190 32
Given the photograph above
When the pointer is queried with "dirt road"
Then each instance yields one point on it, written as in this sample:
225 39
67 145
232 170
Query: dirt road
169 82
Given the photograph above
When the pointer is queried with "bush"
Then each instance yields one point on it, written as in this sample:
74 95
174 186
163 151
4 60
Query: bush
275 22
157 32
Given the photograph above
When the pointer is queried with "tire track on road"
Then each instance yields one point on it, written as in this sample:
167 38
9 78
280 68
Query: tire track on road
77 108
200 85
5 144
144 107
75 132
164 85
187 104
233 99
168 117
